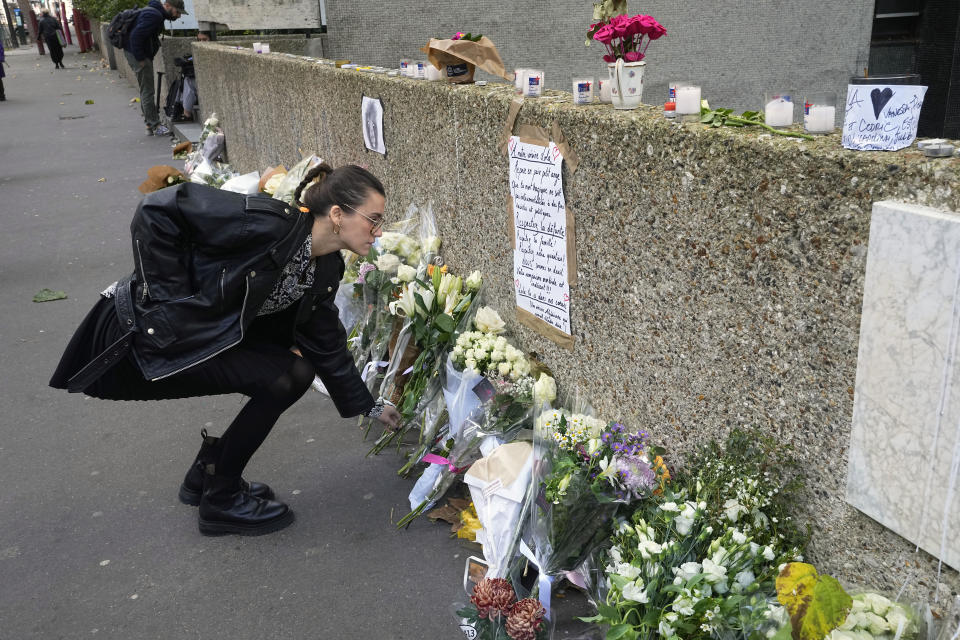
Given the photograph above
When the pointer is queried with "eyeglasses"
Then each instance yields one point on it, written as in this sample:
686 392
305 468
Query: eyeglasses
376 222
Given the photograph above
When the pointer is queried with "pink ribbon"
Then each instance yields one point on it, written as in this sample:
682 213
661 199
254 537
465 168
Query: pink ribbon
433 458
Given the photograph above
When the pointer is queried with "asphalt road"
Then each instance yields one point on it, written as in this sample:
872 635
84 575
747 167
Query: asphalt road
93 542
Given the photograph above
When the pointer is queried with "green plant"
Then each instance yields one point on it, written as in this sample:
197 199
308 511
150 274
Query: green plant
725 117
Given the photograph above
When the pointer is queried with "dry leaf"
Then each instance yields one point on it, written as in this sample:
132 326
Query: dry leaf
102 180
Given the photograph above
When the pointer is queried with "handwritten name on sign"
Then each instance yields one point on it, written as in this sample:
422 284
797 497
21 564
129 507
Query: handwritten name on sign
881 117
540 228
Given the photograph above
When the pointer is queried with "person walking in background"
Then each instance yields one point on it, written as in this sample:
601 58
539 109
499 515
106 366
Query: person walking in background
141 46
3 60
48 28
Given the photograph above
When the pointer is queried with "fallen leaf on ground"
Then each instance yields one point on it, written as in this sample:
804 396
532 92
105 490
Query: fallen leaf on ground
102 180
46 295
88 102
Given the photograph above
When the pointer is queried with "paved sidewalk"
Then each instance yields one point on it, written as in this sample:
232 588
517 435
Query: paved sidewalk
93 542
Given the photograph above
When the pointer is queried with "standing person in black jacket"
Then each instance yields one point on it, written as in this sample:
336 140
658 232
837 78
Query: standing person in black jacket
224 287
140 47
49 29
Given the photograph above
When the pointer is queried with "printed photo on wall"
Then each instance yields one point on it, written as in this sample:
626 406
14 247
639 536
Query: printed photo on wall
371 115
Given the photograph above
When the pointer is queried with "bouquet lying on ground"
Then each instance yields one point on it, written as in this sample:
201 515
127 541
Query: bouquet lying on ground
584 470
494 613
689 562
819 607
431 307
489 396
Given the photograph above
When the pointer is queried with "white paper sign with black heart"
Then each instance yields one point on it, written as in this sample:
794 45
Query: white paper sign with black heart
881 117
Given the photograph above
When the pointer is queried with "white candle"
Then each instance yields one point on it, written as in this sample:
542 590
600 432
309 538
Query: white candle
265 48
819 119
688 100
432 73
605 91
533 83
582 90
256 46
778 113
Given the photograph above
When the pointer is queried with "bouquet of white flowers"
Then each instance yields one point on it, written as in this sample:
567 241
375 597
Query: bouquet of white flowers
691 559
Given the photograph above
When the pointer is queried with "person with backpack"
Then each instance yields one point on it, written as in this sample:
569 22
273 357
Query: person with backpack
140 43
224 287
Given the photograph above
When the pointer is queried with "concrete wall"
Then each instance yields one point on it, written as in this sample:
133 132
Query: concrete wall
736 50
173 47
720 270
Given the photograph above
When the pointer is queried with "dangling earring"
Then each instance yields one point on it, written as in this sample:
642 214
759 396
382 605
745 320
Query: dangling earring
336 228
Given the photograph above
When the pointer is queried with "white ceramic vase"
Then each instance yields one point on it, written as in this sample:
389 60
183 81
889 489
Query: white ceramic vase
626 83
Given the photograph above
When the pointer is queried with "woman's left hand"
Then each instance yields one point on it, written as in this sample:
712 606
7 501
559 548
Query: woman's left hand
390 416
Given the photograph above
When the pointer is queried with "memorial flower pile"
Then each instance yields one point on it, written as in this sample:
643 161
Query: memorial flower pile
585 469
488 393
687 562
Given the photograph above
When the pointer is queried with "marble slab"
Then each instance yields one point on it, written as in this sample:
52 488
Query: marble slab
905 437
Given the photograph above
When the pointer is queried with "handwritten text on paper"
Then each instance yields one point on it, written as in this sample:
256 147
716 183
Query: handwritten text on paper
881 117
540 227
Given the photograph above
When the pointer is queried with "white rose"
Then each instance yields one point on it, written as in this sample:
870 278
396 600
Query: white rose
627 570
684 522
636 593
687 570
520 368
744 579
898 620
497 356
875 624
738 536
474 280
669 506
683 606
714 572
431 244
665 627
406 273
649 548
470 363
876 603
488 320
388 262
768 553
504 368
733 510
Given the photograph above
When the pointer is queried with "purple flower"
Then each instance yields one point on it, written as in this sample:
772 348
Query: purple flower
365 268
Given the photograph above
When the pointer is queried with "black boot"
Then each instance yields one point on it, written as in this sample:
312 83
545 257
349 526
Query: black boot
192 487
226 508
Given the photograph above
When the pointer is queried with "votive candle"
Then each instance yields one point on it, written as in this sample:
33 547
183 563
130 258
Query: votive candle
778 112
688 100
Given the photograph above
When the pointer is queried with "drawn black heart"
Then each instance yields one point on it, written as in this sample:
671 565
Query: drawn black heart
880 99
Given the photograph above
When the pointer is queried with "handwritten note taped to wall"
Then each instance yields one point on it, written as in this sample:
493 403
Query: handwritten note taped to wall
881 117
540 261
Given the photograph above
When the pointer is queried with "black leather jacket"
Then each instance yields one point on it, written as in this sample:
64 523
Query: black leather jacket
206 260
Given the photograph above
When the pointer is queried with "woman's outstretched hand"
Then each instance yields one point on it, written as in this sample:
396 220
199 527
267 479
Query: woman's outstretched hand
390 416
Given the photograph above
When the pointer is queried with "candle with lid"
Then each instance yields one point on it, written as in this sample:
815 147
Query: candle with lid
605 90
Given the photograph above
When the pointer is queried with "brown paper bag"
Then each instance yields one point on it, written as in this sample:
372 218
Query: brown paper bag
157 178
269 174
448 55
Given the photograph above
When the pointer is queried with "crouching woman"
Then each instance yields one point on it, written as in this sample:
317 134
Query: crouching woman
224 287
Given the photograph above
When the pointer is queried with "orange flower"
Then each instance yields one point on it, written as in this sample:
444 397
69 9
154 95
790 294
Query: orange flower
660 467
430 268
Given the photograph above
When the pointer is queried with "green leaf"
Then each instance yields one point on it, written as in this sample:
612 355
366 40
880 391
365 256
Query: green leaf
596 618
46 295
444 323
620 631
817 604
608 612
707 118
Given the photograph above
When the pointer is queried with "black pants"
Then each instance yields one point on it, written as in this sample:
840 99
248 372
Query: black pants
261 367
3 96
